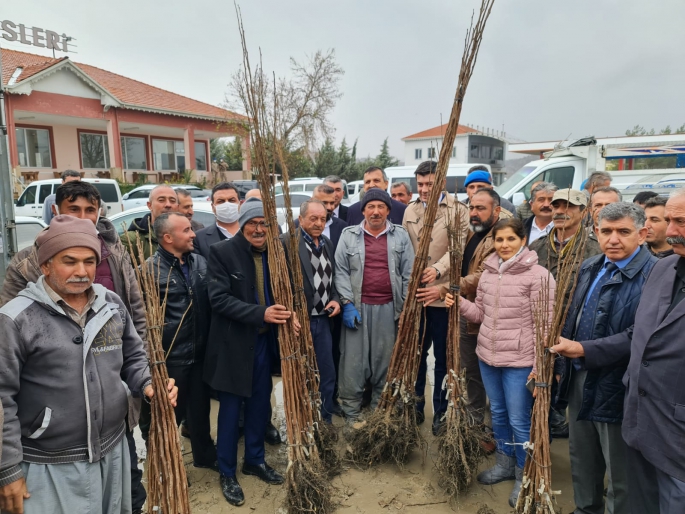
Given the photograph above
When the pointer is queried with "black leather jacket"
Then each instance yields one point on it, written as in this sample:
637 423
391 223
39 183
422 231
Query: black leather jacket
189 341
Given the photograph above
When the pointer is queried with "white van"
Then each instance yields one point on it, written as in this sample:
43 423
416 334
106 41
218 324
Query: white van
354 187
30 203
456 174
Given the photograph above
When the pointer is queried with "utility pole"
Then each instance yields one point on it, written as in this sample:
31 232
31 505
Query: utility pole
8 233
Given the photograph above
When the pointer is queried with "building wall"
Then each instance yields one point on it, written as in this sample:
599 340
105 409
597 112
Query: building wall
461 144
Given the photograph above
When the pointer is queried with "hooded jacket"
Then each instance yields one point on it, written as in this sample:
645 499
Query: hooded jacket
140 227
64 388
505 307
187 315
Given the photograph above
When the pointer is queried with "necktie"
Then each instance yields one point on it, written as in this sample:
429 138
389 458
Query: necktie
586 324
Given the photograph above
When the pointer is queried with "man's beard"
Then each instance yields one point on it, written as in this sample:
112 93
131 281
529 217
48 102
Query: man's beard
484 226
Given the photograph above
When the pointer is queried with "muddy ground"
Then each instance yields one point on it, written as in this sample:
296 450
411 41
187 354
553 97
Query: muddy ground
383 489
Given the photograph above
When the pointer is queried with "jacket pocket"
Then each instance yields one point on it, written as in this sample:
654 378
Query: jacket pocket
40 424
354 259
679 412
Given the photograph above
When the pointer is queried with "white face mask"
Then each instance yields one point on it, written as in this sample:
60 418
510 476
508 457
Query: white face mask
227 212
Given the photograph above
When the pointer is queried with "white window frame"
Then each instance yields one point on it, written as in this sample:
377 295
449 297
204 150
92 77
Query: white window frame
418 152
105 150
26 150
431 152
454 152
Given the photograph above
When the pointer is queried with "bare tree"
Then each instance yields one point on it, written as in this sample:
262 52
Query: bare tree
305 100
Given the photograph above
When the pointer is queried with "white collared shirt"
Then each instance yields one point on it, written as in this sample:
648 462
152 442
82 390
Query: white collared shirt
327 228
537 232
387 227
336 211
224 231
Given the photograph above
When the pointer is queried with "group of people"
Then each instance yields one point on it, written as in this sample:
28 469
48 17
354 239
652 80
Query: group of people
75 370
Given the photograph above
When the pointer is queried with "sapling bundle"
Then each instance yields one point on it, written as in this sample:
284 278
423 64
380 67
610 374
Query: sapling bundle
167 490
459 448
391 432
307 486
537 496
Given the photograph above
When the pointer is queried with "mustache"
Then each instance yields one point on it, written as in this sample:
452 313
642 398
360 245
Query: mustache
545 209
82 280
678 240
562 217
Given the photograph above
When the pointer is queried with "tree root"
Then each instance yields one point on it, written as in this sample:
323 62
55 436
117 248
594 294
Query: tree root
308 488
326 437
386 436
459 453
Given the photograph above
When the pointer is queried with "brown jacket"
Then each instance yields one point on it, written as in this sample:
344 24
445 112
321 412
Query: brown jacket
469 283
24 268
438 255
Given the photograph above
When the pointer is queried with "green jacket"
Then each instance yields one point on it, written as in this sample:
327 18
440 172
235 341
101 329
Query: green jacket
140 227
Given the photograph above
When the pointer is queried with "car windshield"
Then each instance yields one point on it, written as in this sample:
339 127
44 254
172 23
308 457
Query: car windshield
505 187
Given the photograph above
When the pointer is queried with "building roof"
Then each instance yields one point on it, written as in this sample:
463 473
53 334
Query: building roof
132 94
438 131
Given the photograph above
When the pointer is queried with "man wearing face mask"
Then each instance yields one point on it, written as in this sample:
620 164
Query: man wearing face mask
226 206
82 200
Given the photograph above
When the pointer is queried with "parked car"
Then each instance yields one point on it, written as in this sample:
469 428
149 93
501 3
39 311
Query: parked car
295 200
307 185
27 230
354 187
244 186
138 197
30 203
203 214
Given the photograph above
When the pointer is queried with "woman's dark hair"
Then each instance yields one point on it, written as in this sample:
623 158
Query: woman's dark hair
515 224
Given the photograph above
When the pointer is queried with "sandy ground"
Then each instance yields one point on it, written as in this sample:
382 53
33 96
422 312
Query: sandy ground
382 489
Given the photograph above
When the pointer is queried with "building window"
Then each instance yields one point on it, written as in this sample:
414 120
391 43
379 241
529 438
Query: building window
417 153
168 155
431 153
201 156
94 151
486 152
474 151
133 153
454 152
498 153
33 147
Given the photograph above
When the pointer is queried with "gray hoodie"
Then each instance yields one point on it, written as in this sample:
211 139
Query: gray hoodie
62 387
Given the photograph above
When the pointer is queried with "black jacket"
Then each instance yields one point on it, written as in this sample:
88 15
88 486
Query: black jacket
236 317
603 392
207 237
307 272
342 211
528 226
190 336
355 216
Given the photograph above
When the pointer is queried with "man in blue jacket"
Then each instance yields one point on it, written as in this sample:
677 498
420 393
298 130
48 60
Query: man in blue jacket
604 303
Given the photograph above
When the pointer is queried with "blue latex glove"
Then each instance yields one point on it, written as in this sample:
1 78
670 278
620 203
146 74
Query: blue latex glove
350 315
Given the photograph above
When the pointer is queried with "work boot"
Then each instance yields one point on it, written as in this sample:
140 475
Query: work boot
514 496
502 470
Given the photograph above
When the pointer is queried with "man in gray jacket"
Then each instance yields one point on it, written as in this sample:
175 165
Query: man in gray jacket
373 264
82 200
69 353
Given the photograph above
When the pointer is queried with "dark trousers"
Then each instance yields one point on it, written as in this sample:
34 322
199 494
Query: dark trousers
193 405
323 348
257 409
434 321
336 329
650 490
475 390
138 494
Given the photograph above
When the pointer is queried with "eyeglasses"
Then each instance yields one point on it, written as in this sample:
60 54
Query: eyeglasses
255 224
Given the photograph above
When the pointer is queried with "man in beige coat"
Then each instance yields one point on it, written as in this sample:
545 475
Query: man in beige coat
435 320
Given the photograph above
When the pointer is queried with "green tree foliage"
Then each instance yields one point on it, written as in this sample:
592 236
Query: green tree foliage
639 130
229 151
343 161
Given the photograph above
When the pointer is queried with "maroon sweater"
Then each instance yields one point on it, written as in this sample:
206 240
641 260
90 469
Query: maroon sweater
376 286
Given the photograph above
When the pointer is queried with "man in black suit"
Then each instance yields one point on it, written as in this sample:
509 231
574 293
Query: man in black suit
225 200
317 260
338 186
334 226
376 177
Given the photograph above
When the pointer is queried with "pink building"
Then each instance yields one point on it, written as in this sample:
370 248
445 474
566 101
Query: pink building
65 115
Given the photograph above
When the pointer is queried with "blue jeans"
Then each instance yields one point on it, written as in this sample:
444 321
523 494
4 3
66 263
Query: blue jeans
435 323
510 406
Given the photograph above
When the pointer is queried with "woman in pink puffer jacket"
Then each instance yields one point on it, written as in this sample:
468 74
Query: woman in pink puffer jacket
507 297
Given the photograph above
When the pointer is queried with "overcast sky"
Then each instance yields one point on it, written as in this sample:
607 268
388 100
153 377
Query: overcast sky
546 70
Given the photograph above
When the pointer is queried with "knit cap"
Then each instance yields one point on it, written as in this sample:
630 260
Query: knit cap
478 176
252 208
376 194
67 232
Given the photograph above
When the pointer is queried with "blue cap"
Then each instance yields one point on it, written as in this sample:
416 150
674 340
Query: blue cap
478 176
